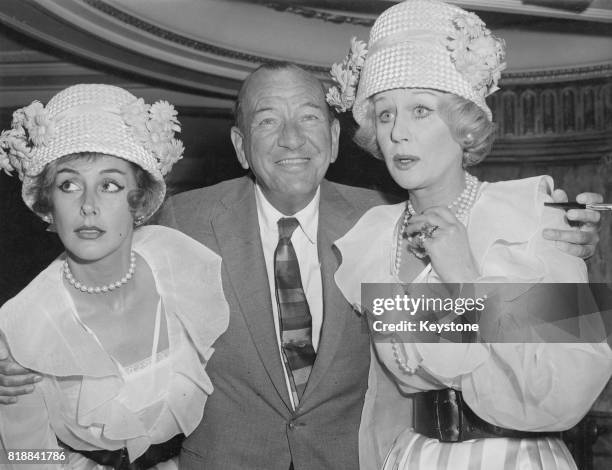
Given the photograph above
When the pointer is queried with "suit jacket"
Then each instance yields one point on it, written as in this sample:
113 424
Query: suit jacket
248 420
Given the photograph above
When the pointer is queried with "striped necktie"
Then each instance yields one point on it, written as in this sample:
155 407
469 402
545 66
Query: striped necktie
295 321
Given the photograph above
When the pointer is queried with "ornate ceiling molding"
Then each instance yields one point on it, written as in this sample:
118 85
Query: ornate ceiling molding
337 11
316 14
195 44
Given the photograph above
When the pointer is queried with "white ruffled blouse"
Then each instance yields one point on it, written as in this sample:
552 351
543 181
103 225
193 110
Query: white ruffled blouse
528 386
86 398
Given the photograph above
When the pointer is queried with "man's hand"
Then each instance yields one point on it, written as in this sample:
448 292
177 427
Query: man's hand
581 241
14 379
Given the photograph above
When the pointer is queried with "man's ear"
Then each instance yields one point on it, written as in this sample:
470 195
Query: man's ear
238 141
335 135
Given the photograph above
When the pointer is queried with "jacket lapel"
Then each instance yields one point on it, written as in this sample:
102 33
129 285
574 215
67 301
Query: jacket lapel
236 228
336 217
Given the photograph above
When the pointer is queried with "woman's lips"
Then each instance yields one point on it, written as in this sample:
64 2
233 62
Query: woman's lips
405 161
89 233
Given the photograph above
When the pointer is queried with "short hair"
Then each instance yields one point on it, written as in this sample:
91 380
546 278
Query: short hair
280 66
142 199
467 122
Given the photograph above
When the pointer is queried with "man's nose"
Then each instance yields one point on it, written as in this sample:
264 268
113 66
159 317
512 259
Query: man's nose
291 136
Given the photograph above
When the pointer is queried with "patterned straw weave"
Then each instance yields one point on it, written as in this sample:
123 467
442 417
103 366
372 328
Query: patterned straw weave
407 50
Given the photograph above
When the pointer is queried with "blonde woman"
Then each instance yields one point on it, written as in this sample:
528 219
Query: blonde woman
420 105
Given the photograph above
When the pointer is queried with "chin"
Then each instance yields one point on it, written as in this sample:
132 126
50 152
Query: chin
301 187
408 182
89 253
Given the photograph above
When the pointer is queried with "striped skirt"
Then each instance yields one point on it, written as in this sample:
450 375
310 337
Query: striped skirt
412 451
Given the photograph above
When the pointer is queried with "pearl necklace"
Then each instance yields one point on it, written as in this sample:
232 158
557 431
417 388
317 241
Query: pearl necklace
402 362
398 249
100 289
460 206
464 201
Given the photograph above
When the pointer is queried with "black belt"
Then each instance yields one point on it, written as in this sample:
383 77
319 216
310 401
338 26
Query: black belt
119 460
443 415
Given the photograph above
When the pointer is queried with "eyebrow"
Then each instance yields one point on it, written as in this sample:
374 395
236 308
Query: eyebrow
263 110
311 104
306 104
423 92
74 172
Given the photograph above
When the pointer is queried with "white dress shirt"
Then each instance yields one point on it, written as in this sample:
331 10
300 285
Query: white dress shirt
304 241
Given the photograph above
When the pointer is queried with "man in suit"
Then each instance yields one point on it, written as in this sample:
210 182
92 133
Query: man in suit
287 137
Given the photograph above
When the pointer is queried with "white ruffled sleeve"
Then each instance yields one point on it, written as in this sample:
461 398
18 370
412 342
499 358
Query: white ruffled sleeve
25 425
526 386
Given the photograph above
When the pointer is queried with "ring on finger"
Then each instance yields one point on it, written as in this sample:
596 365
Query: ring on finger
429 229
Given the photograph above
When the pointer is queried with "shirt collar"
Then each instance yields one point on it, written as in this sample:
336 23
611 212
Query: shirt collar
308 217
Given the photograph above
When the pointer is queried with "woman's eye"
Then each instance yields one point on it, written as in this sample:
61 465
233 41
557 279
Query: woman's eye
68 186
421 111
310 117
111 187
385 116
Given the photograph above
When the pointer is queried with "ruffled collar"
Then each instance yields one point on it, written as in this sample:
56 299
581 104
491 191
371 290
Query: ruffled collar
188 279
187 275
506 213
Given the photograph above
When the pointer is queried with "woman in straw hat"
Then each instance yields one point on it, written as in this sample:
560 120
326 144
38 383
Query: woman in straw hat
121 325
420 105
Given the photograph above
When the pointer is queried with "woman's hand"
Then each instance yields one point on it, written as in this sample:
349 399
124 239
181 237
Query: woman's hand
447 247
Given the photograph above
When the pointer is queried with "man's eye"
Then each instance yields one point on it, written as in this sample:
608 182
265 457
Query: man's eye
310 117
111 187
68 186
421 111
385 116
267 122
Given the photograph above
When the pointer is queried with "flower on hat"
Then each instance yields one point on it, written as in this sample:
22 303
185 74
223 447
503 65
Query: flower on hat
14 151
476 53
35 120
164 113
154 127
31 127
5 162
169 154
41 129
346 75
135 113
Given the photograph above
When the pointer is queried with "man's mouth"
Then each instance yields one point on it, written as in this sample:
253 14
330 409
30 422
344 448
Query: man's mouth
293 161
